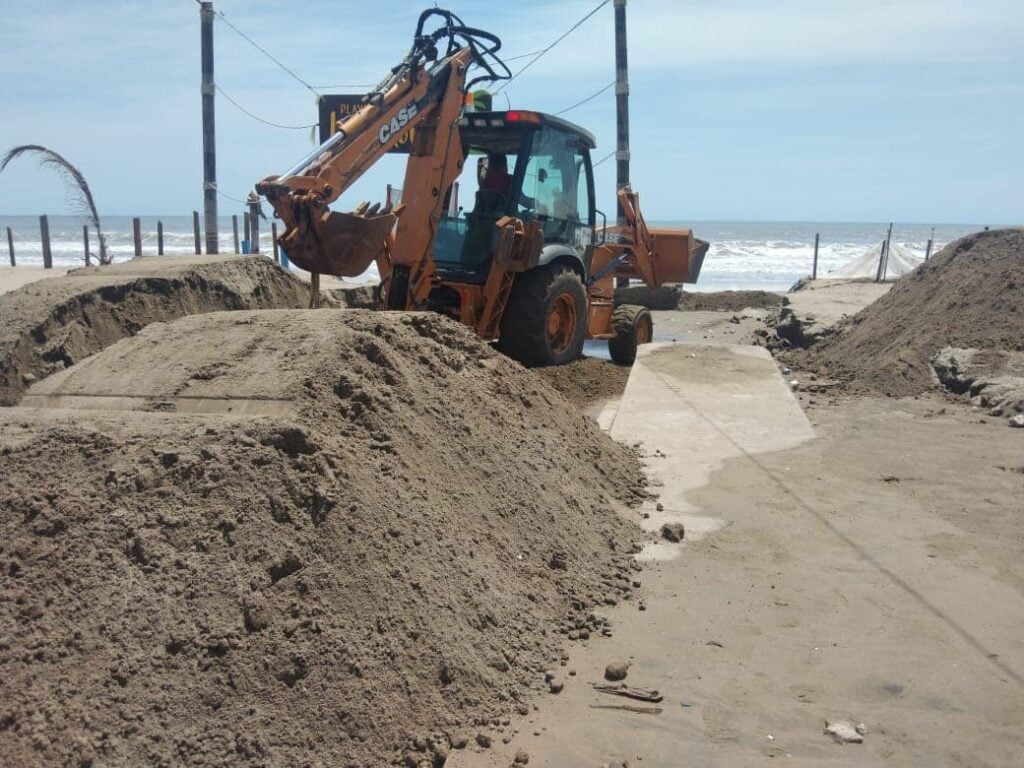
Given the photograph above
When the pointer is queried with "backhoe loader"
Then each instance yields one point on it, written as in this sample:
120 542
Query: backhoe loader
527 267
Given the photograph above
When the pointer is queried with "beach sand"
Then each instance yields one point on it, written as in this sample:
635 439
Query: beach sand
12 278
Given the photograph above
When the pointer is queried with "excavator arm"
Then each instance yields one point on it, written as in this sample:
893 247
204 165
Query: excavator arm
426 92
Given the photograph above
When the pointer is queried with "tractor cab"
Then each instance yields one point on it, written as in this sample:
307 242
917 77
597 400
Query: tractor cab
531 166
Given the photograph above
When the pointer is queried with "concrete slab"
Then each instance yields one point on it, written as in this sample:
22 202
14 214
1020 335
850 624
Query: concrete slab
693 407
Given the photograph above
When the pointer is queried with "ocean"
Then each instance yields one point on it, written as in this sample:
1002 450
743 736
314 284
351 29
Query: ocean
768 255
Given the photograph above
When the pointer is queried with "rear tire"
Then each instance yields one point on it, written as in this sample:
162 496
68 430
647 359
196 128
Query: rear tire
545 322
633 326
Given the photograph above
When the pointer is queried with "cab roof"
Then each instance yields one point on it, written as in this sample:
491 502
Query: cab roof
514 120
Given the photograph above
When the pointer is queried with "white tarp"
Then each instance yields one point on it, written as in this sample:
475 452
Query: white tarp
900 262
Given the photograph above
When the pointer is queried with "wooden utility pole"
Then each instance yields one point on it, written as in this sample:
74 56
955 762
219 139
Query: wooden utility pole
209 128
621 117
44 232
159 238
85 243
621 105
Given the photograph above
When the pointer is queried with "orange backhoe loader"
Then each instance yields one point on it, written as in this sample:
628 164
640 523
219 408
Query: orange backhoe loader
528 266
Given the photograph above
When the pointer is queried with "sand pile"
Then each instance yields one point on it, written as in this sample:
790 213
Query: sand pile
971 295
670 297
318 538
53 323
587 380
730 301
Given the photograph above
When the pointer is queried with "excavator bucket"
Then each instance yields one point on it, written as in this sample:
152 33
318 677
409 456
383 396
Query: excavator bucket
680 255
345 245
663 255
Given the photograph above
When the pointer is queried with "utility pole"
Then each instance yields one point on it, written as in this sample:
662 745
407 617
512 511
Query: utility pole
621 105
621 118
209 128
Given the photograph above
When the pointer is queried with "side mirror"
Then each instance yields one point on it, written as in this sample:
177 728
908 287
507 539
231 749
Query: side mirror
604 225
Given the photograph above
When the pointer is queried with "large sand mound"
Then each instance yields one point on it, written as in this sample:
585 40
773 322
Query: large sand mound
316 538
970 295
53 323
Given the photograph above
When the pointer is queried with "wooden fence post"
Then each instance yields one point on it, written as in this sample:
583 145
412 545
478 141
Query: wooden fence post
195 228
159 238
246 230
234 229
928 250
273 237
254 222
137 236
44 231
814 269
10 245
85 243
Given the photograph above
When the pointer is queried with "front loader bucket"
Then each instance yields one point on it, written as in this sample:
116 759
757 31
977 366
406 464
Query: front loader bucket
345 245
680 255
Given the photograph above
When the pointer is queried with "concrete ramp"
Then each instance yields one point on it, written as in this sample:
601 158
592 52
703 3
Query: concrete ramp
233 363
693 407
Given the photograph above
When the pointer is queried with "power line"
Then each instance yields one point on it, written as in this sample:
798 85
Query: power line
606 157
240 108
265 52
584 101
571 29
521 56
229 197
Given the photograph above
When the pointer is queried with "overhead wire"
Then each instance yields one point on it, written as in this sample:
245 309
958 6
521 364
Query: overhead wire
229 197
240 108
543 51
591 97
606 157
220 15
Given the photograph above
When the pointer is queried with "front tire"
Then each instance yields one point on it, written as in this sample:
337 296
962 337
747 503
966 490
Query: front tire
633 326
545 322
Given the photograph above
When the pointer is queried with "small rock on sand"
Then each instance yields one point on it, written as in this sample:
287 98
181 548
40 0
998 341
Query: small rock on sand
1017 421
522 757
556 685
617 670
483 740
843 731
673 532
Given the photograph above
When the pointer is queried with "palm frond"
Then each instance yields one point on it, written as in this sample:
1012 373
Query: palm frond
79 194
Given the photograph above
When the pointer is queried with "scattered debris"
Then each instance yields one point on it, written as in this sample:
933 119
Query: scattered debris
844 731
640 694
630 708
673 532
617 670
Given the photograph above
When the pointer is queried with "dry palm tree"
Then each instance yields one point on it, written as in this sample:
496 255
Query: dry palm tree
79 194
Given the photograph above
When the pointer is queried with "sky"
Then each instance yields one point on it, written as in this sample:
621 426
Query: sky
787 110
